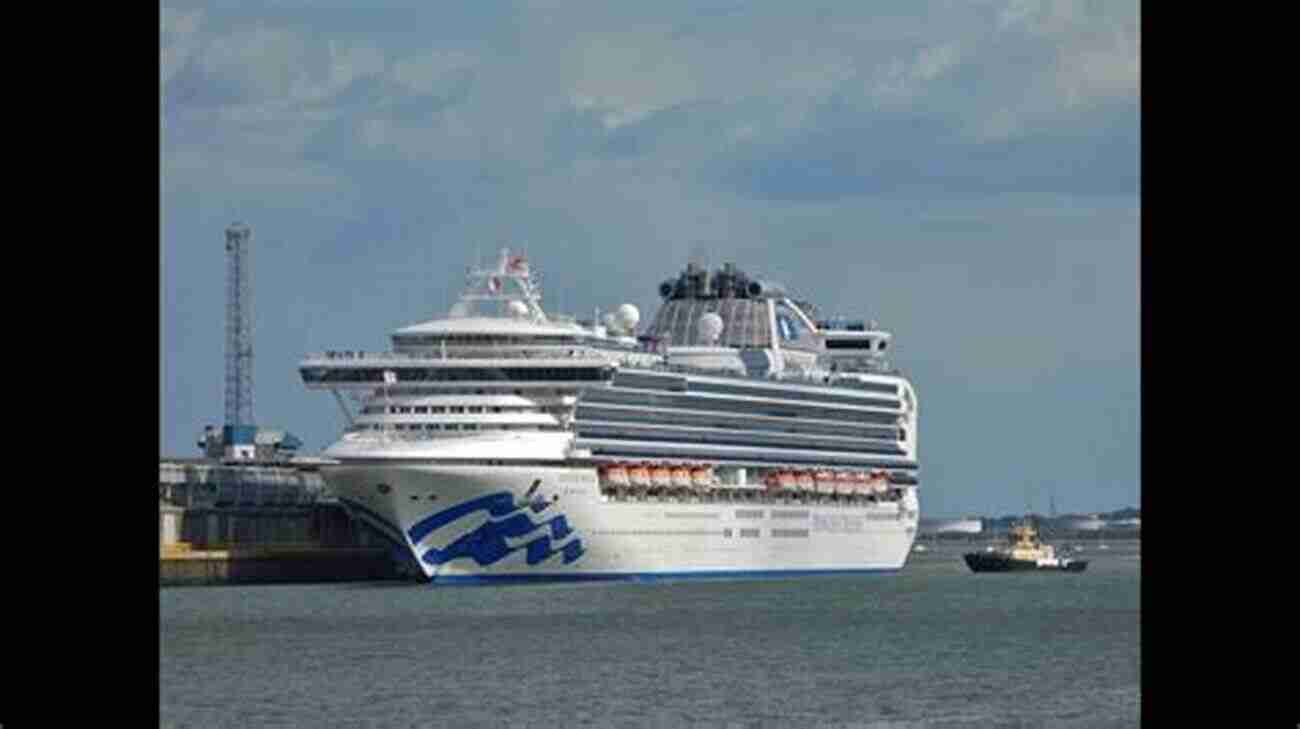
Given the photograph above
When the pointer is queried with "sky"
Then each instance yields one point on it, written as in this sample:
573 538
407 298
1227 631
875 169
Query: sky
965 173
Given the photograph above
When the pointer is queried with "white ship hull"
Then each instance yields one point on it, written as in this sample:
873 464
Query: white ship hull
475 523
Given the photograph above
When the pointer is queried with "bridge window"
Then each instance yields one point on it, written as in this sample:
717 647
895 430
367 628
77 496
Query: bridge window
455 374
848 344
788 324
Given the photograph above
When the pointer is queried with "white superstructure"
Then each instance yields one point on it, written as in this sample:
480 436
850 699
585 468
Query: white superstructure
1089 523
734 435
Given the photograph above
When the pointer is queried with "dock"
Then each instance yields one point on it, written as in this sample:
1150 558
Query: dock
259 523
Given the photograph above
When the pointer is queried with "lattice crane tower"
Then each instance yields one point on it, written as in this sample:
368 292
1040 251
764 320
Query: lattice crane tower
239 332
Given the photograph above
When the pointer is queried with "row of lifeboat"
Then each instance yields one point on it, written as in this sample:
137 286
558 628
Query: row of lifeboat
687 476
828 482
653 474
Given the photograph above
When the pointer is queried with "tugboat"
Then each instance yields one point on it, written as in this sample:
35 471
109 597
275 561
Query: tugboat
1024 552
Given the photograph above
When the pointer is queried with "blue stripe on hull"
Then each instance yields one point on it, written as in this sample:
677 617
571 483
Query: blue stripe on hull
646 576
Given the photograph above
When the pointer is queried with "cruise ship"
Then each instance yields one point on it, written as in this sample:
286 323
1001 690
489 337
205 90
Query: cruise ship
737 435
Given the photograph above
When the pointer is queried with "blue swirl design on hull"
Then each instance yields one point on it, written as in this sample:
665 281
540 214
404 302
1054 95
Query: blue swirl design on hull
487 544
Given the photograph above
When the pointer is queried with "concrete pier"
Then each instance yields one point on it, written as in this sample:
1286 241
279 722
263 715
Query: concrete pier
273 564
261 523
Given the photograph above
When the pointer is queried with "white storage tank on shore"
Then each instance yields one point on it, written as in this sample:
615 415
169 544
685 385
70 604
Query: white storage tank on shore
969 525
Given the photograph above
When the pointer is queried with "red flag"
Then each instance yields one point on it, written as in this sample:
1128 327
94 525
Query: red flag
517 265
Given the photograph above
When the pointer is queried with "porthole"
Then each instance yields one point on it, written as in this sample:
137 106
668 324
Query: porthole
383 488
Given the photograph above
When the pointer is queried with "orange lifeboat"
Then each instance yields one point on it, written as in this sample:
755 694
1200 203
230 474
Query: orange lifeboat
682 476
860 485
617 474
805 481
639 475
879 482
787 480
772 480
702 477
843 482
661 476
825 482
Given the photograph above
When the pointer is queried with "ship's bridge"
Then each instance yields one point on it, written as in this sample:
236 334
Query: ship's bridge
485 331
367 370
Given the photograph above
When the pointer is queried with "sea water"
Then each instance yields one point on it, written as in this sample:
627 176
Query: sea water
932 646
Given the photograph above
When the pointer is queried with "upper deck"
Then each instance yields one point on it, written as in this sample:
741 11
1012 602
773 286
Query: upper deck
723 323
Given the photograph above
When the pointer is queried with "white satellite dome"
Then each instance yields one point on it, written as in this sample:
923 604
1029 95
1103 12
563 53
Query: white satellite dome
628 316
517 308
710 327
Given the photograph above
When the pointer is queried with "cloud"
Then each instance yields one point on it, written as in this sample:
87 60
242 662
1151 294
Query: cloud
428 73
273 66
1095 47
178 39
933 61
757 92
